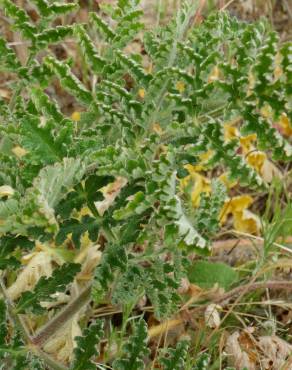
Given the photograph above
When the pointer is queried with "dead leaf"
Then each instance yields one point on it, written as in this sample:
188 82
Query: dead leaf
247 222
269 171
276 351
200 184
234 205
212 316
19 151
6 191
110 192
40 264
238 357
214 75
62 344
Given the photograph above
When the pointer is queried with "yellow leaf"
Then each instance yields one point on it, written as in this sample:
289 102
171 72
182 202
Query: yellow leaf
200 184
256 160
234 205
85 211
180 86
204 157
214 75
247 222
278 71
285 125
19 151
157 128
251 83
229 184
230 132
141 93
267 111
246 142
76 116
6 191
207 155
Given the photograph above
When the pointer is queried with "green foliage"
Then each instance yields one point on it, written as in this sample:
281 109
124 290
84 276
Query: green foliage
134 349
113 178
202 363
54 9
3 323
45 287
86 348
207 274
175 359
21 19
207 215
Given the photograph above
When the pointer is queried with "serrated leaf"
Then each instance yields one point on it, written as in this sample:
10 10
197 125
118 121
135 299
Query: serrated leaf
45 287
134 349
87 347
176 357
78 228
202 363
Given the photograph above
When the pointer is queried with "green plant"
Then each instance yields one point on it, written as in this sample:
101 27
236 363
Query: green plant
113 177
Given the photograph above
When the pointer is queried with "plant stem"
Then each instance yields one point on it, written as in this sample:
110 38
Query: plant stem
62 317
49 360
16 319
244 289
222 300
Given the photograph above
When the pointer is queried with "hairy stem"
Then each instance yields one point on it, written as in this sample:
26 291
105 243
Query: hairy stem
19 323
62 317
16 319
244 289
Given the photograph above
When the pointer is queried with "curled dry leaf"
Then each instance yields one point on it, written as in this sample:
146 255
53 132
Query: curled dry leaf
6 191
243 219
275 350
59 298
19 151
184 286
212 316
110 192
269 171
247 222
62 344
238 356
91 260
199 184
39 265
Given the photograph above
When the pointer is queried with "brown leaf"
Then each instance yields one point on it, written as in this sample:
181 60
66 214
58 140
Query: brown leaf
238 356
276 352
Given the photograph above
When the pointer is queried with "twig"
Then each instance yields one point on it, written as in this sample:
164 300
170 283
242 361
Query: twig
286 249
223 300
19 323
61 318
16 319
277 285
226 5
